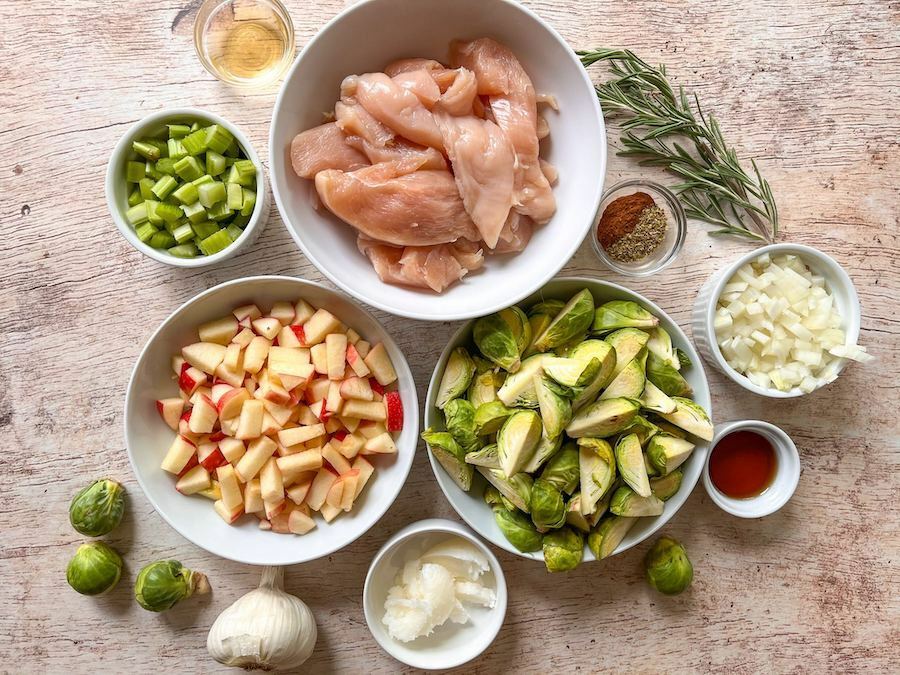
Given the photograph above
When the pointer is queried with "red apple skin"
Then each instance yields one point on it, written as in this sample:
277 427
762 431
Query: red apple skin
192 462
339 435
214 460
300 334
394 409
376 386
216 437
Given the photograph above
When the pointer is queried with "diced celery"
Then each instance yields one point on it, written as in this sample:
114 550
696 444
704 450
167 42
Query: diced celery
215 163
194 212
176 149
166 166
195 142
249 202
183 233
234 232
152 215
186 194
211 193
235 199
188 168
134 171
218 138
205 228
159 145
146 187
150 170
169 212
135 197
137 214
178 130
145 231
164 186
186 250
233 150
219 211
205 178
240 220
195 126
216 242
245 168
161 240
146 150
171 227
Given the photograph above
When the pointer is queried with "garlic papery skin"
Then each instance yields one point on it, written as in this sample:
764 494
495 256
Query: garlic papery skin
267 629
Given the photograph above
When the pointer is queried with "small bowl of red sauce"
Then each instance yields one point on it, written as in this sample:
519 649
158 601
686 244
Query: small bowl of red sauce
752 469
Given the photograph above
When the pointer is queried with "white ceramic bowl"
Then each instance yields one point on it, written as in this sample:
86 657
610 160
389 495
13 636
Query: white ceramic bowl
470 505
783 485
117 189
450 645
147 437
367 37
839 284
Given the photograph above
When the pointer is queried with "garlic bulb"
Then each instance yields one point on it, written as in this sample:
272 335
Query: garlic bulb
267 629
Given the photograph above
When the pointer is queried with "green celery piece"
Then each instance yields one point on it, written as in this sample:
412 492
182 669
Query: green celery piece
145 231
240 220
188 168
150 170
166 166
178 130
234 232
160 145
164 186
176 149
235 199
154 218
229 161
219 212
186 250
195 142
146 187
169 212
137 214
195 212
146 150
205 228
245 168
216 242
186 194
233 150
211 193
183 233
195 126
135 197
218 138
171 227
161 240
215 163
249 202
205 178
134 171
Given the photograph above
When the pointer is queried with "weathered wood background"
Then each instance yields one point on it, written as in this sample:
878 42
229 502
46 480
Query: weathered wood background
809 87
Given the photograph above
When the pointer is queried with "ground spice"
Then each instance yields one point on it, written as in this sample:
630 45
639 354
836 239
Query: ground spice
620 217
631 227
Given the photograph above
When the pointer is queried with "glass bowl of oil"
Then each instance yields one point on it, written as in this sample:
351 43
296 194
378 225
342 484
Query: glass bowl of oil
244 43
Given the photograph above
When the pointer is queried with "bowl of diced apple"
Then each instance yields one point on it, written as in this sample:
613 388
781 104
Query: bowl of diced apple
271 421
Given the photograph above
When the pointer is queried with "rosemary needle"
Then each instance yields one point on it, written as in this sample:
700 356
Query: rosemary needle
715 188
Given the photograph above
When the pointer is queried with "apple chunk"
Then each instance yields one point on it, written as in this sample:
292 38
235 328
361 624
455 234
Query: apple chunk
303 311
253 501
271 482
290 361
320 324
357 388
231 402
203 416
283 311
299 522
170 410
268 327
335 355
180 452
258 453
247 312
251 419
204 355
228 515
219 331
191 379
318 491
256 353
382 444
380 364
393 407
289 437
193 481
355 359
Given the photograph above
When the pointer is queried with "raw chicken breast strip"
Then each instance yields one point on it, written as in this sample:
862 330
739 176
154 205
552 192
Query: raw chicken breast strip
396 204
420 83
459 97
397 150
353 120
324 147
516 233
434 267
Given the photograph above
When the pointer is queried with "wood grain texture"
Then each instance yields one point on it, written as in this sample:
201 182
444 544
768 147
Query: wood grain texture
809 87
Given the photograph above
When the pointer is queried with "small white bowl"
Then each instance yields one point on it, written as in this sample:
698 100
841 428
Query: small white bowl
787 473
147 437
368 36
839 284
117 189
450 645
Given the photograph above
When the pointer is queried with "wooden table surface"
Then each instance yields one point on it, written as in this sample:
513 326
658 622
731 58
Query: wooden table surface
808 87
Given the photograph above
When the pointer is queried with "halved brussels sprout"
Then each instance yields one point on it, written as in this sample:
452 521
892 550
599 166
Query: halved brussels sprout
666 487
556 411
622 314
547 447
665 377
492 497
651 470
597 471
548 506
450 456
683 358
644 428
571 372
572 321
163 584
489 417
655 399
456 378
626 502
629 383
669 569
520 325
94 569
660 344
563 549
562 470
516 488
497 337
603 352
608 534
486 457
603 418
630 462
517 440
666 453
574 517
97 509
460 418
518 390
518 529
669 428
628 343
691 417
483 388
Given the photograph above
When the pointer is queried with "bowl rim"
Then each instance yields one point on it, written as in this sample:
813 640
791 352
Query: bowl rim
702 449
397 308
123 147
410 410
837 277
421 528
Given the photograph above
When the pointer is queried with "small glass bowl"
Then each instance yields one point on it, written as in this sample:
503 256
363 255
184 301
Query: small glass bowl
670 246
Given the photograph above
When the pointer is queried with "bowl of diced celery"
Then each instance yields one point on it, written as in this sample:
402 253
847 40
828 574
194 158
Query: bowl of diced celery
186 188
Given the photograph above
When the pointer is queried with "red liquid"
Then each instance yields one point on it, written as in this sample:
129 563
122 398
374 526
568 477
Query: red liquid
743 464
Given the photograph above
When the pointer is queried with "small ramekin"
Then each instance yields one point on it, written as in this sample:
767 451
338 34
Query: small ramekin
845 299
117 189
787 474
450 645
668 249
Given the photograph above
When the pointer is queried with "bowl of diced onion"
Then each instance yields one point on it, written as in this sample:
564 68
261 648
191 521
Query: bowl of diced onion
781 321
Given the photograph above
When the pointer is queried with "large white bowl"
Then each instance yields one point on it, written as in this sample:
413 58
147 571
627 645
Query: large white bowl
367 37
147 437
470 505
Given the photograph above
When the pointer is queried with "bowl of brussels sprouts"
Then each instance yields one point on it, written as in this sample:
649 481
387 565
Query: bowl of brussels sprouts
571 426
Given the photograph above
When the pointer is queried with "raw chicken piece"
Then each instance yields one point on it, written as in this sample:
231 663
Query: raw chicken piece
395 203
420 83
434 267
513 106
459 97
483 163
406 65
324 147
394 107
549 171
354 120
516 233
397 150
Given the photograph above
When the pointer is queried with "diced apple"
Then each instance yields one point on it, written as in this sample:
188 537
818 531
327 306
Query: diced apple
333 423
280 413
331 455
335 493
244 338
247 312
201 392
351 479
255 354
228 484
233 377
191 463
300 462
205 356
229 425
232 449
289 437
351 424
191 379
253 501
283 311
306 416
380 445
393 408
319 356
288 338
300 523
258 453
316 390
318 491
299 334
290 361
250 384
203 416
303 311
232 402
268 327
298 491
170 410
212 460
219 331
271 389
320 325
269 425
270 481
193 481
218 391
352 336
335 355
380 364
370 429
351 445
234 357
330 512
365 410
184 423
251 419
366 470
319 410
273 509
212 492
363 348
228 515
178 365
356 362
356 388
333 400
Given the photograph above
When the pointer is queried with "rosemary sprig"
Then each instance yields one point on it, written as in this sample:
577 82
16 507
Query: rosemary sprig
715 188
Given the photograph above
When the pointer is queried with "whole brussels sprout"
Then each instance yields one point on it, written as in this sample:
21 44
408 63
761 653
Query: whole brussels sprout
571 322
94 569
563 549
622 314
563 469
669 570
456 377
499 337
460 418
163 584
548 508
97 509
518 529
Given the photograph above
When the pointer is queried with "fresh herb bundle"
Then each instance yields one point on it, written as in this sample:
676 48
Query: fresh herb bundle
715 188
